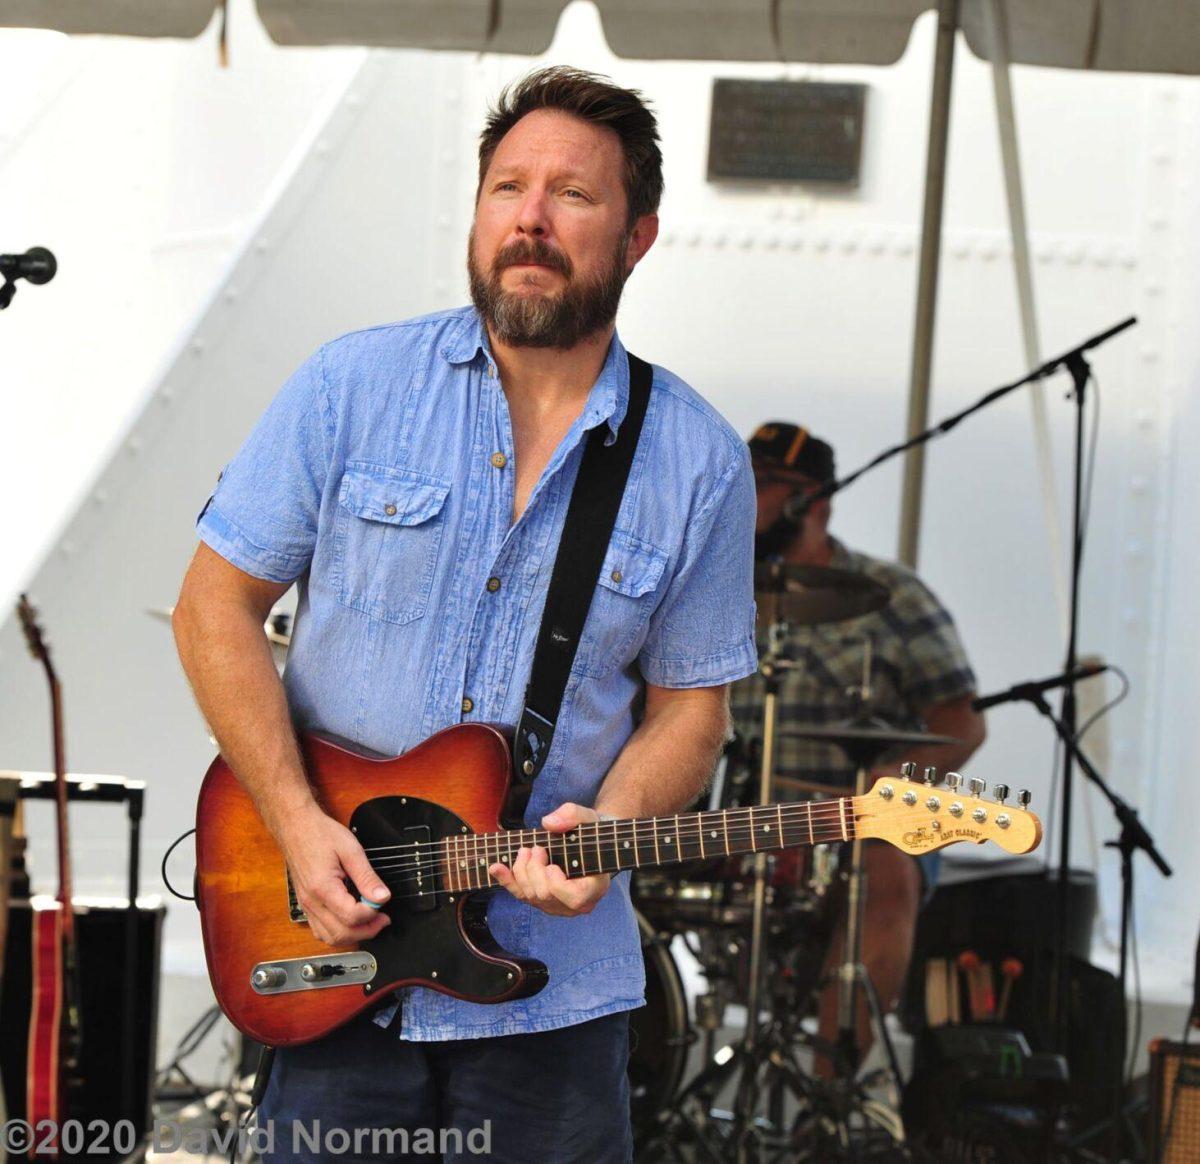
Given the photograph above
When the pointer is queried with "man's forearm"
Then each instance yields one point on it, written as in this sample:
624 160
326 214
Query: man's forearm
669 758
228 662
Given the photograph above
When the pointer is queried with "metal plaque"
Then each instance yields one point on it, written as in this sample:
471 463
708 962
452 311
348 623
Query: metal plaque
786 131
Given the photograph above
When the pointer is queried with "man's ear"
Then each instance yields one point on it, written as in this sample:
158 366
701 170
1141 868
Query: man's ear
641 239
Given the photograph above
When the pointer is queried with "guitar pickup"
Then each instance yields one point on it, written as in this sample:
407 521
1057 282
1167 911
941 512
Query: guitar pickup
316 973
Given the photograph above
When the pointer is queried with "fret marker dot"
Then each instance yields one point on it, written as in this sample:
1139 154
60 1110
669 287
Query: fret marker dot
766 828
627 844
668 840
462 864
713 833
574 864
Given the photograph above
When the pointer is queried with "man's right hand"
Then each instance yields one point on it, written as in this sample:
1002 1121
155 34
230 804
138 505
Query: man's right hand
322 854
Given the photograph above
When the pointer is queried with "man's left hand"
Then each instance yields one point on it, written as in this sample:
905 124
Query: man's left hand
534 879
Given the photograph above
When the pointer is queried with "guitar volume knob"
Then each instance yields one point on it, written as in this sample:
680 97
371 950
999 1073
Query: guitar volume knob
266 977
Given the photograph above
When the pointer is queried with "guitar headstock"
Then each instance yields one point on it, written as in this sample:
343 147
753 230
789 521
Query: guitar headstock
920 817
34 637
28 615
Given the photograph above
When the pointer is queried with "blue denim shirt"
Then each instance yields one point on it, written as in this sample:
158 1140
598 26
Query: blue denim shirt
381 480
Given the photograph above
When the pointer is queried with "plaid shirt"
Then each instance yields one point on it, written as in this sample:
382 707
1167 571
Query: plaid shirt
917 660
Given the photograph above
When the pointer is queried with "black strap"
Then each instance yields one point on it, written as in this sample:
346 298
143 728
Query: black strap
591 515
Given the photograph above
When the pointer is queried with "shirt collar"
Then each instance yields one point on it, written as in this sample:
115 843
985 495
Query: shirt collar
608 400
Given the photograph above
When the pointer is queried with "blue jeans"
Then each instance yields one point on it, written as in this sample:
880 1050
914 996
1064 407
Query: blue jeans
363 1094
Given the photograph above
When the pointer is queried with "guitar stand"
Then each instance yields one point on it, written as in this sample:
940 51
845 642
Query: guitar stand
131 793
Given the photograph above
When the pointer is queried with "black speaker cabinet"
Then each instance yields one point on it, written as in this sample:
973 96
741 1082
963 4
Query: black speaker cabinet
101 940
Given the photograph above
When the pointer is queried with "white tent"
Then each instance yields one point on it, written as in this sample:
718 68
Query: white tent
1118 35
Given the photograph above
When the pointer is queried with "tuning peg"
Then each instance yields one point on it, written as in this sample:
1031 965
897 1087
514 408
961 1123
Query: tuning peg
1024 797
953 781
930 775
1000 792
907 769
977 785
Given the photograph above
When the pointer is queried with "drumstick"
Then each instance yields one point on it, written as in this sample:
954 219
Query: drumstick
987 991
954 990
968 963
936 1011
1011 969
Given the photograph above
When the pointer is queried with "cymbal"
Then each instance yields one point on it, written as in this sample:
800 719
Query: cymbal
274 628
852 735
808 595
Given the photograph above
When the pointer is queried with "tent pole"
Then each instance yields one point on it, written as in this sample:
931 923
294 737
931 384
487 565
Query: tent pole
997 33
927 278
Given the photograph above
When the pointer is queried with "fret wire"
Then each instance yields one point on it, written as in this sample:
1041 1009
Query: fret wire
599 855
700 823
725 823
657 854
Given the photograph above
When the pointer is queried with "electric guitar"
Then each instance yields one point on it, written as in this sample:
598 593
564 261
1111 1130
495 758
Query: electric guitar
429 822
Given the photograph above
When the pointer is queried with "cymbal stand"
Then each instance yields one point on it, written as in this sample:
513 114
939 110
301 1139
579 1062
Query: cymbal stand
765 1054
852 973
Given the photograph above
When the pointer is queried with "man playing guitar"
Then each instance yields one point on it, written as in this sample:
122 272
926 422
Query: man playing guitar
412 481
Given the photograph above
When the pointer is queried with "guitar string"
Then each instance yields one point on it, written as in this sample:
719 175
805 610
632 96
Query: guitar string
477 888
435 854
737 817
689 827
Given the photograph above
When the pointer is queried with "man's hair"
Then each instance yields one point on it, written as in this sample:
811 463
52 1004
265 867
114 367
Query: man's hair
593 98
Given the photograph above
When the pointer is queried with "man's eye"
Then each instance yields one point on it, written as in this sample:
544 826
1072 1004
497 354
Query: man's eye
575 193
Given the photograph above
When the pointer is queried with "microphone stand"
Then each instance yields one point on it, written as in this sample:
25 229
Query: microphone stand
1075 363
1134 836
796 509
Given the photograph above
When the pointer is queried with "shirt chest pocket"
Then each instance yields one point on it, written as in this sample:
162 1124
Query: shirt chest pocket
388 532
628 590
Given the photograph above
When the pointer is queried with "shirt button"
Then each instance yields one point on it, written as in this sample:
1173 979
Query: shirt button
390 510
617 575
499 460
468 705
493 584
492 371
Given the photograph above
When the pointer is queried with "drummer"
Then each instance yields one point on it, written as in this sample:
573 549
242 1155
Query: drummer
920 680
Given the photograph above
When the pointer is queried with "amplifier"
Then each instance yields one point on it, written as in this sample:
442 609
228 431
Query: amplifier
1174 1116
101 941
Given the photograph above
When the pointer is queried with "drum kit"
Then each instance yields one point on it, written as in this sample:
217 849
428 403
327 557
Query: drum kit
760 927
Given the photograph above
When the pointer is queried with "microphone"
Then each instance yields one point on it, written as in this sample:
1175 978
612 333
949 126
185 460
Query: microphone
1032 690
796 506
36 265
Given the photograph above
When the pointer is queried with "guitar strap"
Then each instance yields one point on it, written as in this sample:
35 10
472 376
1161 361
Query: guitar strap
591 515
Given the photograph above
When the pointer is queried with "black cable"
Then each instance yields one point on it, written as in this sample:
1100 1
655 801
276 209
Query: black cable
1097 715
163 867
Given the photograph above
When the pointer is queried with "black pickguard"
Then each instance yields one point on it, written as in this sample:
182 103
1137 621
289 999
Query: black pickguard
435 936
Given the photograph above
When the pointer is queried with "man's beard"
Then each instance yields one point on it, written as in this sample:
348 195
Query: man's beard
541 320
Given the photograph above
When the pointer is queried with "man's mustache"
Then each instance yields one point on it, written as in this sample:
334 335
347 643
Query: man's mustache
534 251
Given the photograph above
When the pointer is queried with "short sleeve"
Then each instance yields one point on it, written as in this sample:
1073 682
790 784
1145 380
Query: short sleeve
935 669
702 634
263 514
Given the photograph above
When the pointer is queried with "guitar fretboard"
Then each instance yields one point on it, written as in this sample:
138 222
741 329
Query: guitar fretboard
611 846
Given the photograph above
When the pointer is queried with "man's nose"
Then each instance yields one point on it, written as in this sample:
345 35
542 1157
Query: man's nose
533 217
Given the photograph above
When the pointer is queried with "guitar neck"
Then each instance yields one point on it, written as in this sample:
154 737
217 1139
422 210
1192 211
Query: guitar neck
647 842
